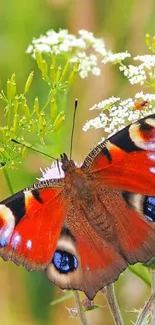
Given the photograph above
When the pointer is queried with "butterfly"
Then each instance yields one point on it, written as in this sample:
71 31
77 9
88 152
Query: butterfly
85 228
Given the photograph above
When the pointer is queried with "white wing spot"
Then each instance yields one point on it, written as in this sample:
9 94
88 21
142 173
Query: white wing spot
152 170
151 156
29 244
16 240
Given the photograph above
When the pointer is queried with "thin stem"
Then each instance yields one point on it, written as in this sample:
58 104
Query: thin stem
153 293
109 292
6 175
81 312
149 304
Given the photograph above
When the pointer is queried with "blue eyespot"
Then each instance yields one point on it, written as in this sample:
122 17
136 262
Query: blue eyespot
149 208
64 262
3 242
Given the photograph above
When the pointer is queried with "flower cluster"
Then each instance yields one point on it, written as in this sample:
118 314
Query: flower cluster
142 72
85 49
116 113
116 57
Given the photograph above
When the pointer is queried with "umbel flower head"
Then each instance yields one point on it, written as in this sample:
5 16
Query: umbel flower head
115 113
84 48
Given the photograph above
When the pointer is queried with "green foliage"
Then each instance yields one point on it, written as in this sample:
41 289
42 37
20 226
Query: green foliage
23 121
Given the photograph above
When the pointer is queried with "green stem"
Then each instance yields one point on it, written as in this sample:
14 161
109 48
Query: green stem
81 312
6 175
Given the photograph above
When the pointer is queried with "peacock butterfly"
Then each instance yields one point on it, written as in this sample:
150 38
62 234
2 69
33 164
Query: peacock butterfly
85 228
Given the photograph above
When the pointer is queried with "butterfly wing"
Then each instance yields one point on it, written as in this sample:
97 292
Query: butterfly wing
124 167
30 224
127 160
83 260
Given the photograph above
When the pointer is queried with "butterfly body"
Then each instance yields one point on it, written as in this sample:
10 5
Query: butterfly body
84 228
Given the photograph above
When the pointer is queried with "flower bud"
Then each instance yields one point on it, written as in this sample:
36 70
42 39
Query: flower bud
147 39
38 59
58 121
58 74
28 82
36 106
44 69
73 74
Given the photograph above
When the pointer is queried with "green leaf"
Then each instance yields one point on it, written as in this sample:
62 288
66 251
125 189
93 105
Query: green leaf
142 272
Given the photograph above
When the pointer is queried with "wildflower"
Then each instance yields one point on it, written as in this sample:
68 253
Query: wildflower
54 171
115 57
120 113
84 48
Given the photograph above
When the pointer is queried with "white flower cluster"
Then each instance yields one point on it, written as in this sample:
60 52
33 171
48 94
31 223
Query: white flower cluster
117 116
85 49
55 171
116 57
140 73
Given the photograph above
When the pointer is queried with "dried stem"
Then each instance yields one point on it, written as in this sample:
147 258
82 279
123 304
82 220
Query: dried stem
81 312
113 305
149 304
153 294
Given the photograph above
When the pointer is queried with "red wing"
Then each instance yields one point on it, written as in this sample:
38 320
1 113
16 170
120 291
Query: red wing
127 159
30 225
99 244
92 261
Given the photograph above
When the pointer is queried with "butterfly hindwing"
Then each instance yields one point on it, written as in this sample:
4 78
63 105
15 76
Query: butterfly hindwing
84 261
30 225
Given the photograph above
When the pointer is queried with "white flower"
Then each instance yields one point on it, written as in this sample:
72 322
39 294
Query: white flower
105 103
145 97
84 48
148 59
55 171
135 74
120 113
115 57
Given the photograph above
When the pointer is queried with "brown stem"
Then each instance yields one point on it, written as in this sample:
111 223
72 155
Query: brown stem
81 312
149 304
113 305
153 301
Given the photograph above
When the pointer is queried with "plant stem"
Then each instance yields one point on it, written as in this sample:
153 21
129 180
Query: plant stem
149 304
6 175
153 293
81 312
113 305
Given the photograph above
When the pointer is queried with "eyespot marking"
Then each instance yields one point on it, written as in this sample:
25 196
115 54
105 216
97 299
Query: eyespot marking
8 222
64 262
149 208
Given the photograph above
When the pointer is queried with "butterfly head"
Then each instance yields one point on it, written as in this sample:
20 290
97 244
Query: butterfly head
66 163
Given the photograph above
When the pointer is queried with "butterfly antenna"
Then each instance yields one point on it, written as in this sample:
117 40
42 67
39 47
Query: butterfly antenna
58 166
72 133
29 147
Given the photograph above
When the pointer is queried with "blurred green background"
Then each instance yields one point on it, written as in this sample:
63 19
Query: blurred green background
25 297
